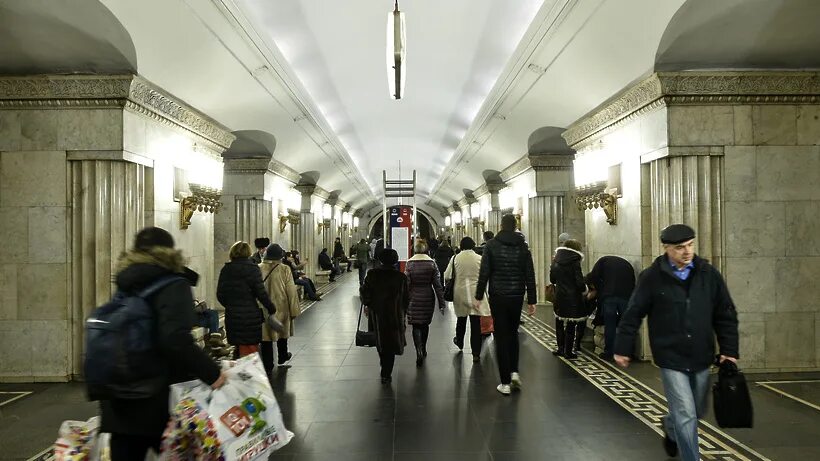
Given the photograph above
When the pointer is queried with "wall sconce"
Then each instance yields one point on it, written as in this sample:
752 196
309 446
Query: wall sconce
324 224
202 198
355 224
283 222
478 222
518 221
293 217
598 195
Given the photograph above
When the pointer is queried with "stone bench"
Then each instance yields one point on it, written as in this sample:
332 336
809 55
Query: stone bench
322 277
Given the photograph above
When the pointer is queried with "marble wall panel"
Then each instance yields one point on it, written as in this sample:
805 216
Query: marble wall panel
744 134
808 125
41 292
33 179
47 242
89 129
740 178
701 125
39 130
795 279
50 341
10 136
790 340
14 234
802 228
751 282
653 131
774 125
788 173
752 342
755 229
8 292
134 132
15 343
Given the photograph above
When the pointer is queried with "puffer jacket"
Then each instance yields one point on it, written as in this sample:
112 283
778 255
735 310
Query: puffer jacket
506 264
239 288
566 275
178 356
425 289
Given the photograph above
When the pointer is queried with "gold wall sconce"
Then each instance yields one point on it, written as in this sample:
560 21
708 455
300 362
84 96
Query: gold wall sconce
204 199
478 223
283 222
597 195
322 225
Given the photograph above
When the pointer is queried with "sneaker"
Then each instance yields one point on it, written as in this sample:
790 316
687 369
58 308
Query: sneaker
515 381
287 359
503 388
669 445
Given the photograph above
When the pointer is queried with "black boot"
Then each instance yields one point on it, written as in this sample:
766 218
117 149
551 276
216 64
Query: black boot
559 337
569 340
417 343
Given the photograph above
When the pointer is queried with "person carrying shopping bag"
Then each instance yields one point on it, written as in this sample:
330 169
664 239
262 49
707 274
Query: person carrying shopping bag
462 272
282 290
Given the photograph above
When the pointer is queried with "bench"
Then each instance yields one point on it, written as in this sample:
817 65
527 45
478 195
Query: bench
322 277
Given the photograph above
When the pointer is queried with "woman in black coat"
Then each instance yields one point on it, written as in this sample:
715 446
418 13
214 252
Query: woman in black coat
443 255
569 306
136 425
326 264
385 293
425 290
239 288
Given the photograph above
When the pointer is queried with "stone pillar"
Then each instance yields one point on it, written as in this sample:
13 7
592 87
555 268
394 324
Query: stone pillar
553 180
307 238
494 216
254 219
107 200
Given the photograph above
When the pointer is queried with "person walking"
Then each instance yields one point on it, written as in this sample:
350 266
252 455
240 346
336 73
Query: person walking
466 265
507 266
612 279
279 283
688 306
443 256
261 245
425 292
238 289
362 253
338 255
136 425
386 294
569 305
486 237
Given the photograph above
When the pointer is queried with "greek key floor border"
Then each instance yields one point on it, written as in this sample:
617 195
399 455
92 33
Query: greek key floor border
640 400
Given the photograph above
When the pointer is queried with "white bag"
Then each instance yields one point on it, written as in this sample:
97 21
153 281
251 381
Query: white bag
240 421
76 439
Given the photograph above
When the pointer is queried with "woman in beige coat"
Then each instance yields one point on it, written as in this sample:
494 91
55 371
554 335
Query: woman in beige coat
282 291
467 265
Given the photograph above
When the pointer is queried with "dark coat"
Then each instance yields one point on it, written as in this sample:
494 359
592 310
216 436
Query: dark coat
425 289
324 262
566 275
684 316
180 357
443 256
338 250
385 293
612 276
432 247
506 264
239 288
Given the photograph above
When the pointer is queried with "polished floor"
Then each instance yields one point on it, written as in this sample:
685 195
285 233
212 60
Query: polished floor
332 399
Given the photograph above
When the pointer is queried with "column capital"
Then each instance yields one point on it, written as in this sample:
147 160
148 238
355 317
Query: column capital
554 162
305 189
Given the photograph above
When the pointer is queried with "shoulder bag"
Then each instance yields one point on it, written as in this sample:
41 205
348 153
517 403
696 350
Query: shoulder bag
364 338
449 287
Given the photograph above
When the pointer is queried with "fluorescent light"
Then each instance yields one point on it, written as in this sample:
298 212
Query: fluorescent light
396 52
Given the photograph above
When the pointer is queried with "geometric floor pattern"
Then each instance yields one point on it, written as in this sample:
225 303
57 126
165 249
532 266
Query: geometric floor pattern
641 401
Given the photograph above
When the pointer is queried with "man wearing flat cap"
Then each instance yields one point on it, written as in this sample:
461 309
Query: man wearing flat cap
688 306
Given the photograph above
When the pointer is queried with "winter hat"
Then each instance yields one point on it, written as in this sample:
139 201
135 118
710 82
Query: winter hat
274 252
573 244
153 237
261 242
563 238
677 233
389 257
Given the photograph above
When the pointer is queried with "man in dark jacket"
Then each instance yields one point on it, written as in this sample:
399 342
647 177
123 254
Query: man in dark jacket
507 266
261 245
688 305
487 236
137 424
613 279
326 264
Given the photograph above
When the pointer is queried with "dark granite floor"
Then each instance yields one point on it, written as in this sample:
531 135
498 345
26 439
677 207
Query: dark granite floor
332 399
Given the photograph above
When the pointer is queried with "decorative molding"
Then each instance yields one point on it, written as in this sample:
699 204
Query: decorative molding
683 151
110 91
696 88
246 165
110 155
517 168
558 162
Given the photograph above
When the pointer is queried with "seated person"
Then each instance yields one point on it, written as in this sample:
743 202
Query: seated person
299 278
326 264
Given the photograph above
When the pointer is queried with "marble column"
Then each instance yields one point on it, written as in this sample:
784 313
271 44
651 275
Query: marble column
307 237
494 215
254 219
107 210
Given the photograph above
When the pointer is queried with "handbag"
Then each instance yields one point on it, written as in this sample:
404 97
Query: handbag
449 287
364 338
487 326
732 403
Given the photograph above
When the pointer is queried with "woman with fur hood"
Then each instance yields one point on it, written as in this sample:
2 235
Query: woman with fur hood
425 290
569 305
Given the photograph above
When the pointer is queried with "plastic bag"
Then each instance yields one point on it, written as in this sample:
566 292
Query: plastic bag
240 421
76 440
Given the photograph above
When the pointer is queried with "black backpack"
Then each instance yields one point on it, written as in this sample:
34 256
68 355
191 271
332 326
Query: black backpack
120 347
733 406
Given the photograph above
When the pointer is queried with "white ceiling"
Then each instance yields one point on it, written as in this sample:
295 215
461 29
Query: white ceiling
456 50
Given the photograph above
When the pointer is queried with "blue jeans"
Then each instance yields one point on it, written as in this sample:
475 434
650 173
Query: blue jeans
686 397
208 319
611 309
309 291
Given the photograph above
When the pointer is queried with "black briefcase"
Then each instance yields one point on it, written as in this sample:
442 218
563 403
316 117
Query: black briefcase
364 338
733 405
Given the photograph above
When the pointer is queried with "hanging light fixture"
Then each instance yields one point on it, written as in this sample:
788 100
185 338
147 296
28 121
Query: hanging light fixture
396 39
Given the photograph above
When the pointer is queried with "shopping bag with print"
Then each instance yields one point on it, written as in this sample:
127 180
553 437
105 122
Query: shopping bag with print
246 414
191 432
77 439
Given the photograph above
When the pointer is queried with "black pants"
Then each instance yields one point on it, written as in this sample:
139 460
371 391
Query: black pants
126 447
386 360
568 335
420 333
282 349
266 351
506 318
475 332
